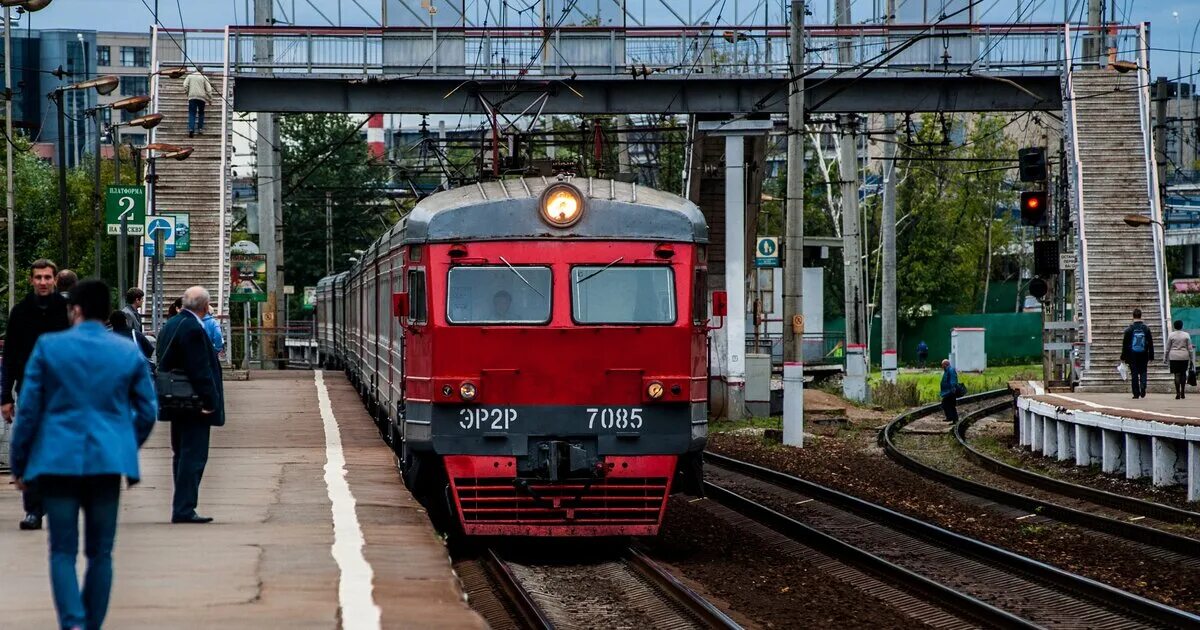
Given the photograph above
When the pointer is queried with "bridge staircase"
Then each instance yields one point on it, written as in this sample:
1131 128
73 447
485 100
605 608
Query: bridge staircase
194 186
1113 175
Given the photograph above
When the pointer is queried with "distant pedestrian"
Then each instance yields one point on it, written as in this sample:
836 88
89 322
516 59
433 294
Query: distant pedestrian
183 346
922 354
42 311
1137 351
134 299
87 405
1182 356
213 328
175 307
65 281
950 391
199 93
119 324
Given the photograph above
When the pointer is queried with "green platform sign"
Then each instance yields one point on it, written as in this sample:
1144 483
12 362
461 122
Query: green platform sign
129 201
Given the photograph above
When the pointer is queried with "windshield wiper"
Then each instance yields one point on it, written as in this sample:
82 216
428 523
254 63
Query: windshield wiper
599 271
514 270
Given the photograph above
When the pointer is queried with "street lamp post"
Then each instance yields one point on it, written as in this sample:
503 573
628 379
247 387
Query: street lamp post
102 85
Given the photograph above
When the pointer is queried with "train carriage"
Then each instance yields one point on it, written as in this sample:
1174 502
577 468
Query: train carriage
535 352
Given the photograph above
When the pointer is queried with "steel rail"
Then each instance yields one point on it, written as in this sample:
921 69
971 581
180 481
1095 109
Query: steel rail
678 592
528 613
1123 529
1121 502
1098 593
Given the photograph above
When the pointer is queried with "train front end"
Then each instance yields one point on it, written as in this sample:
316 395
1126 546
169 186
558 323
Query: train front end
559 375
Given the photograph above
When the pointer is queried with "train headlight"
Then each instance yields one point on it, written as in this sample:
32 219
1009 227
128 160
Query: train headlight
655 390
562 205
467 391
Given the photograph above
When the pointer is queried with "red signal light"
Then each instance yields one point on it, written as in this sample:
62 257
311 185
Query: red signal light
1033 208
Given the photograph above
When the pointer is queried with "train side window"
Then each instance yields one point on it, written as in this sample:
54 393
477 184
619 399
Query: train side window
700 297
416 296
414 253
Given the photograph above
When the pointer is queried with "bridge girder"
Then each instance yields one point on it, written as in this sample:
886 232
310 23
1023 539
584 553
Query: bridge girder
664 94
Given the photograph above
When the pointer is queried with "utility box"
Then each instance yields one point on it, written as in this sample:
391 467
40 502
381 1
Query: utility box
758 384
967 352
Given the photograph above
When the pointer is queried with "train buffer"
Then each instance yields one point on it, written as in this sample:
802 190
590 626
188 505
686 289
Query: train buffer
292 545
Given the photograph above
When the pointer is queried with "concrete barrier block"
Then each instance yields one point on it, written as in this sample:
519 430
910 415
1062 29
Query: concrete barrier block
1083 445
1113 452
1036 431
1166 456
1193 474
1066 441
1138 457
1049 437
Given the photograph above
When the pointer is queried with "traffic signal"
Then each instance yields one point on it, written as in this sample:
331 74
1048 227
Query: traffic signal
1045 258
1033 208
1032 161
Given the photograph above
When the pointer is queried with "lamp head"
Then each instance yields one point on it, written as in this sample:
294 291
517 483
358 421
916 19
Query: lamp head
104 85
132 104
174 73
28 5
1137 220
149 121
179 155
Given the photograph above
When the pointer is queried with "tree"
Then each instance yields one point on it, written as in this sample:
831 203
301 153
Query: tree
325 153
950 226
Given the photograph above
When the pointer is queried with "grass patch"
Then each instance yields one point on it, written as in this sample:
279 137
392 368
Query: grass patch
723 426
928 383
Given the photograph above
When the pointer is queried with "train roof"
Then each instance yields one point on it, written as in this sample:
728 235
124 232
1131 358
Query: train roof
507 209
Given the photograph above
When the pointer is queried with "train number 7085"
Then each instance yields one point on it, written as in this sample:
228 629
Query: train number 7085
614 418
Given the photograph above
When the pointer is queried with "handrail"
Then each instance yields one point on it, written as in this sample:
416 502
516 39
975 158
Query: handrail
1069 126
226 190
1152 190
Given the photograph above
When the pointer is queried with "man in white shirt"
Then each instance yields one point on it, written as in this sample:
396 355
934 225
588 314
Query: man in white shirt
199 92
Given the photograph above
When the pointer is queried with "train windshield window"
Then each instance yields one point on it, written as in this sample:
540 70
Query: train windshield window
498 295
623 295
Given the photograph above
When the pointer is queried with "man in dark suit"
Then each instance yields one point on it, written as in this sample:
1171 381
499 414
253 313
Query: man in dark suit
183 345
42 311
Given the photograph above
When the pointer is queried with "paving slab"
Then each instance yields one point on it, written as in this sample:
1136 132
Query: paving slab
267 561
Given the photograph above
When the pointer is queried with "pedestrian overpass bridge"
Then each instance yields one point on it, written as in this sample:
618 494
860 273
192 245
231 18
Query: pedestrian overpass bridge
638 69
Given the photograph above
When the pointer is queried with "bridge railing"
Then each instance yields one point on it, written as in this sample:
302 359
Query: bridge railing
605 51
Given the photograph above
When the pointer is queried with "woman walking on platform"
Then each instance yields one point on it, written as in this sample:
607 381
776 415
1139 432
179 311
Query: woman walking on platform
87 405
1181 355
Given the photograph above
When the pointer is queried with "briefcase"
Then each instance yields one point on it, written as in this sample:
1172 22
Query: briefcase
175 392
1191 374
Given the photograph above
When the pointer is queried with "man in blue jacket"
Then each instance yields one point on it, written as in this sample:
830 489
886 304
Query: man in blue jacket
87 405
949 391
184 346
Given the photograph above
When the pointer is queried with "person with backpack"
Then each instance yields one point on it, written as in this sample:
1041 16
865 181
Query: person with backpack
1137 351
922 354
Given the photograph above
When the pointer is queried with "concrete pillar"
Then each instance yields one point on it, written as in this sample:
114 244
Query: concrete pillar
1023 427
735 273
1083 445
1138 457
793 403
1066 441
1113 452
1189 261
1094 447
1049 437
854 385
1193 471
1165 457
1037 432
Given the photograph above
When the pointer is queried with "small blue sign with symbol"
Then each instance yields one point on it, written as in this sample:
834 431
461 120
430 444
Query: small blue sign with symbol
766 252
156 226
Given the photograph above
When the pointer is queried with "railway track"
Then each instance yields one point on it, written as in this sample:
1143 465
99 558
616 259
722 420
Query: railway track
628 591
1132 519
972 579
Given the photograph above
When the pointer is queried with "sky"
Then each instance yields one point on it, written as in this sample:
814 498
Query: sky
1169 33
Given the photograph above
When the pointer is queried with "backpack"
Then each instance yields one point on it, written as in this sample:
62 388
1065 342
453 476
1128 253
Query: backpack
1137 341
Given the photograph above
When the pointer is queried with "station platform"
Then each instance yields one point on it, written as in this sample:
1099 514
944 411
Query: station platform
295 543
1157 436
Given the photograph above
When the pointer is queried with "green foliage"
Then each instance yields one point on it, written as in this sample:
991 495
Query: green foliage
949 213
325 153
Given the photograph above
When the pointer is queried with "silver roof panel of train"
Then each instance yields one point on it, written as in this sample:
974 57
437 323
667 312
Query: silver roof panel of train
507 209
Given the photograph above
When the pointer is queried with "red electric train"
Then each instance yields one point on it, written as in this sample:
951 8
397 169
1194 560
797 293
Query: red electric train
534 350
